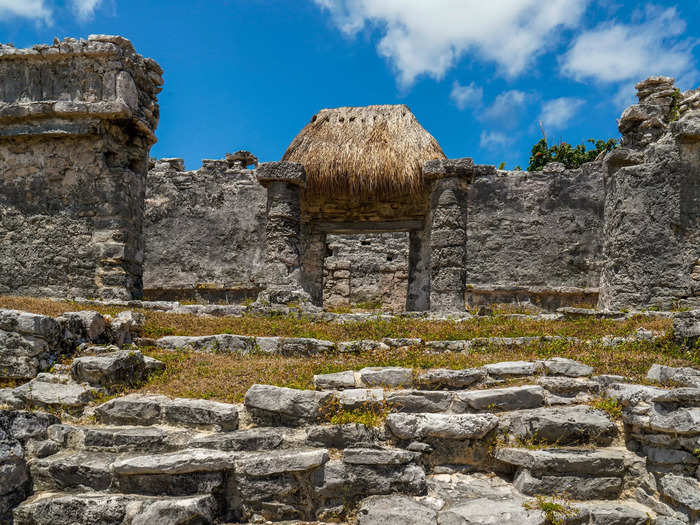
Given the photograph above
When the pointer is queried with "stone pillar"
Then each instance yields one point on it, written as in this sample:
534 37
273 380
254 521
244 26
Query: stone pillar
283 256
447 219
313 255
77 121
652 203
418 294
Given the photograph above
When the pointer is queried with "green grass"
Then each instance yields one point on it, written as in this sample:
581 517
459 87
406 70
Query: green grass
608 405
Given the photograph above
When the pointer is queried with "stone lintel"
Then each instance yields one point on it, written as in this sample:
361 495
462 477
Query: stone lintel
289 172
51 128
443 168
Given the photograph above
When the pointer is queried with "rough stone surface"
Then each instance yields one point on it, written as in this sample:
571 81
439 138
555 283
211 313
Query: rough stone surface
285 405
686 326
394 510
109 509
29 343
49 391
139 409
652 205
515 238
513 398
513 369
126 367
558 366
450 379
386 376
204 231
77 121
683 490
562 426
443 426
678 376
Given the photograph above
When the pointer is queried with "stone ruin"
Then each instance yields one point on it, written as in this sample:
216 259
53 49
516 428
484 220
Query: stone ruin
364 206
399 224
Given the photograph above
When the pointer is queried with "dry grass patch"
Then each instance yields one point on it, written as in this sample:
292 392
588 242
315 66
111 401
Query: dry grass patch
227 377
159 324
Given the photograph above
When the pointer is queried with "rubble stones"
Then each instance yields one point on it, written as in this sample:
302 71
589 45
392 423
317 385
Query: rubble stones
181 462
201 413
419 401
28 343
208 343
134 409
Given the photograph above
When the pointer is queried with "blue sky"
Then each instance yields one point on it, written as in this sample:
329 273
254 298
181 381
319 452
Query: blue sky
480 76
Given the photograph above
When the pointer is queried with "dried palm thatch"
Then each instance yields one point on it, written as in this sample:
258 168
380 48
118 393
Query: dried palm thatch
372 150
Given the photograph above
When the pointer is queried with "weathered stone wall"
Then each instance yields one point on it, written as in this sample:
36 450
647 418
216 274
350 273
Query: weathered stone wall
530 237
76 124
652 205
369 268
204 230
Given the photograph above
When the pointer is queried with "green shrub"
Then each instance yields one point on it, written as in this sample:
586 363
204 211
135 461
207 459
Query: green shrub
571 156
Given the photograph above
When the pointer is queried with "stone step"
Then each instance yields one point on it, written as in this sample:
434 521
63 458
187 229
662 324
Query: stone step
570 425
121 438
448 379
139 409
114 509
577 473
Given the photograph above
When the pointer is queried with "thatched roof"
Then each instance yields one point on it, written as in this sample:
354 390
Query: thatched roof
372 150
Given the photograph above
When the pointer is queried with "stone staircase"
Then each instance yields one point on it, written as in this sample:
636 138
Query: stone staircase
458 447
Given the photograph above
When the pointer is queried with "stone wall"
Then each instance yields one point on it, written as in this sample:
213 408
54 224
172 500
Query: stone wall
652 205
366 268
204 230
76 124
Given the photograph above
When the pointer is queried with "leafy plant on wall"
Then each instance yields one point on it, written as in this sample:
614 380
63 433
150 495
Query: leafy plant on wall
570 156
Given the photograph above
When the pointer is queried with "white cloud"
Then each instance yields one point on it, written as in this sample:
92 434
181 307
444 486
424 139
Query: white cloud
558 112
616 52
506 108
467 96
85 9
494 139
32 9
428 37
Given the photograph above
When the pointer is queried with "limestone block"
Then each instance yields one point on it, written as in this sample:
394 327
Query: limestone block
441 426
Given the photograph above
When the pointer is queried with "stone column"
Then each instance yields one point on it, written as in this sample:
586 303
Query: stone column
418 294
447 220
314 249
283 256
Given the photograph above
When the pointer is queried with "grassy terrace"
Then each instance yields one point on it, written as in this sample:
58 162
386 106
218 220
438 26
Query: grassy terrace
159 324
226 377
